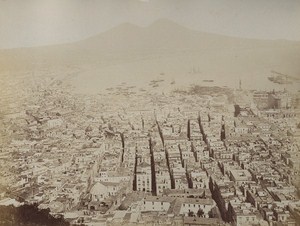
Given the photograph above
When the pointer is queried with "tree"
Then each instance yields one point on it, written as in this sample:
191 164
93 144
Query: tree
200 212
191 214
29 215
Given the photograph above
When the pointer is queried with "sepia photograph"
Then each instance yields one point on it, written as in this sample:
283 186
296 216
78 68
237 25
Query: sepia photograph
149 112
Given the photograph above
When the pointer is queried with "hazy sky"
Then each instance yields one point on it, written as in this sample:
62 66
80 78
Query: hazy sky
42 22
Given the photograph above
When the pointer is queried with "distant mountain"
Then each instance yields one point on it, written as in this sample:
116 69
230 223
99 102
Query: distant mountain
165 35
164 46
162 35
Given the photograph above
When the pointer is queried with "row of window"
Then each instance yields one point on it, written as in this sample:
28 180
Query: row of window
191 205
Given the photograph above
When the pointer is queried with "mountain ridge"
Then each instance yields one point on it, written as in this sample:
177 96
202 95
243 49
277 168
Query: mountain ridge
160 24
167 35
160 40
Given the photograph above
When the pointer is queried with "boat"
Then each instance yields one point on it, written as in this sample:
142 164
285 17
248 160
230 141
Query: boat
280 79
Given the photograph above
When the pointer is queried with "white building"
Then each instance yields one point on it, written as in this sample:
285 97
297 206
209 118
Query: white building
143 177
103 190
